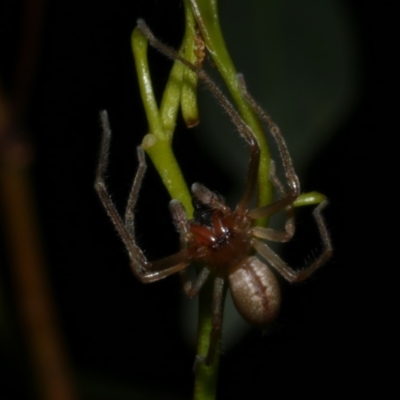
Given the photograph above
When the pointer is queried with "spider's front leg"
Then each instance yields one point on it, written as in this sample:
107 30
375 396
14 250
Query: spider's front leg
191 287
144 270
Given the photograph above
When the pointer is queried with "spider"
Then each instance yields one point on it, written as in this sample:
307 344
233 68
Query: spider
225 240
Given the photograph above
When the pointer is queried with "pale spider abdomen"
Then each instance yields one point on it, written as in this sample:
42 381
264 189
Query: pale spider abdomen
255 291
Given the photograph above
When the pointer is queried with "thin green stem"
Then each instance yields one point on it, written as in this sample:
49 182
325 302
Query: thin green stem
139 47
190 110
206 377
206 14
171 100
157 143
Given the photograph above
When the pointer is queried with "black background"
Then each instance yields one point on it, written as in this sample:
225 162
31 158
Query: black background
123 336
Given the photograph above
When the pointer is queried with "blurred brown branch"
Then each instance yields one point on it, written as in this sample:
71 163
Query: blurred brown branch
21 228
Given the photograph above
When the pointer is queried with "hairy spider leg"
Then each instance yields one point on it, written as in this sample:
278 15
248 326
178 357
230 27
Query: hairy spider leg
144 270
269 233
190 287
273 128
285 270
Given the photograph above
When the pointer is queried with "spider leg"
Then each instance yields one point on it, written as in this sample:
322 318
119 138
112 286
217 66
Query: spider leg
285 201
291 176
287 272
193 287
181 223
141 267
217 309
167 266
251 179
126 236
209 198
275 180
190 287
134 193
272 234
273 207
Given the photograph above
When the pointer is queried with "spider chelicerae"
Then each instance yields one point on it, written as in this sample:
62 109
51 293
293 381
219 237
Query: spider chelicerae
223 239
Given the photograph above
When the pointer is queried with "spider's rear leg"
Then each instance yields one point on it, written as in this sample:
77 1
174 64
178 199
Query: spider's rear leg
217 310
269 233
192 287
285 270
215 334
291 176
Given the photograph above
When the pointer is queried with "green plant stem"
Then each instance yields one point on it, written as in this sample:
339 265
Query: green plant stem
205 386
190 112
182 83
171 100
157 143
206 14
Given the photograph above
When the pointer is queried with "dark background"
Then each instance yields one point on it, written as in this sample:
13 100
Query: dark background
124 339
